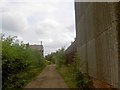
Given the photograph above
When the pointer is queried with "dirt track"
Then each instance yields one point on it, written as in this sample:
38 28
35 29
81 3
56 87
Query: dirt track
49 78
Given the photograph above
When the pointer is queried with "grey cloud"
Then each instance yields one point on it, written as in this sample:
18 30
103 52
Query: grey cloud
13 22
71 28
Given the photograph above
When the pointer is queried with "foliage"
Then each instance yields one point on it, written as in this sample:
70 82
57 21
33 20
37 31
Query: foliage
17 63
50 58
60 57
73 76
57 57
66 71
82 79
47 62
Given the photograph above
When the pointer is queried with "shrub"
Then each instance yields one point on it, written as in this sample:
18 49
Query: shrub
83 80
60 57
47 62
17 63
57 57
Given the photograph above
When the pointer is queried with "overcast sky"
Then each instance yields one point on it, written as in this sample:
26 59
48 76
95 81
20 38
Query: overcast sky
50 21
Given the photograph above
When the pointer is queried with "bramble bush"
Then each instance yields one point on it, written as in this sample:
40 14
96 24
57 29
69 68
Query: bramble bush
19 63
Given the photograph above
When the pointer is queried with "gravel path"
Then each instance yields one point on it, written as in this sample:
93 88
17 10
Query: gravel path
49 78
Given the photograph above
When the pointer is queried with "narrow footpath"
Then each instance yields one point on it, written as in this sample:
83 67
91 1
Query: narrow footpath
48 78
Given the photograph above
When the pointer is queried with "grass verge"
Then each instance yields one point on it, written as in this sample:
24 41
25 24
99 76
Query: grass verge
67 74
31 74
74 78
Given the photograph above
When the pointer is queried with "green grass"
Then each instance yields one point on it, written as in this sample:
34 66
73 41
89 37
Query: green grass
30 75
67 74
73 77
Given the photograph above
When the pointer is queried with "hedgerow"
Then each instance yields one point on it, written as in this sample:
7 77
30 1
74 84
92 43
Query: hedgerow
19 63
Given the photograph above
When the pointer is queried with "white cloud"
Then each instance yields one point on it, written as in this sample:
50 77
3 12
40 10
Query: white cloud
40 20
48 24
54 35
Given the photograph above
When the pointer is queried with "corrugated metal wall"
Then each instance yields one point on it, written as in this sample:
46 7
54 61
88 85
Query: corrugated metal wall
97 44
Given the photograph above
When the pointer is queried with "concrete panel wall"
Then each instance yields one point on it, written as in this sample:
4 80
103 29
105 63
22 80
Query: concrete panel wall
97 40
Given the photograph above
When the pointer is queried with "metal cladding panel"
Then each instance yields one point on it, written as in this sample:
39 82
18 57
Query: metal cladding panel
91 54
102 17
89 15
78 13
97 44
81 35
113 44
80 9
81 51
70 52
71 48
102 49
118 28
